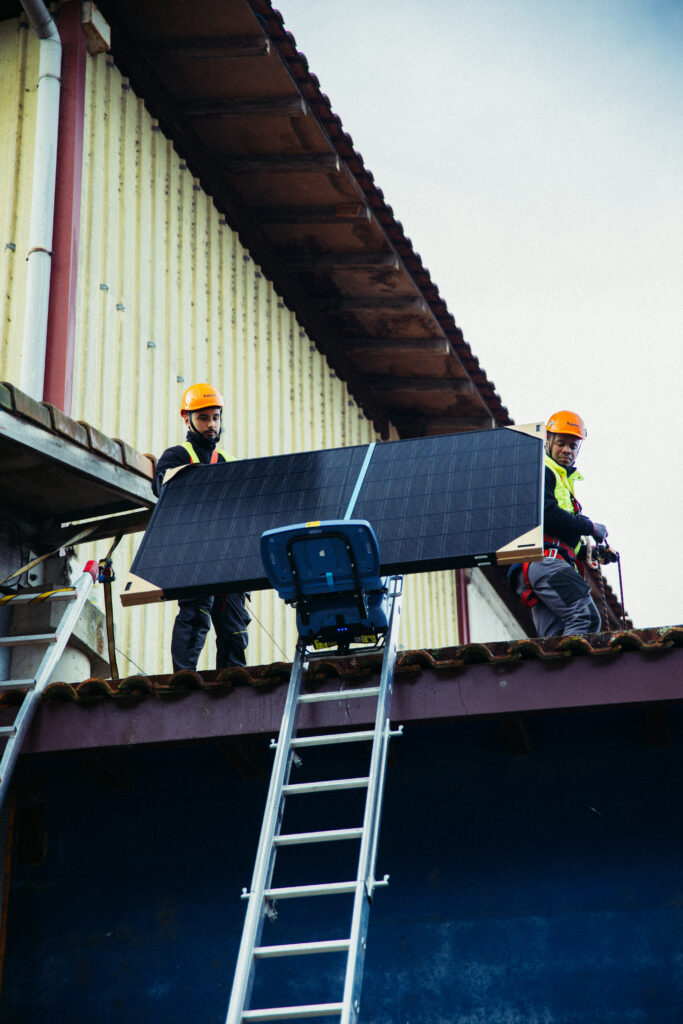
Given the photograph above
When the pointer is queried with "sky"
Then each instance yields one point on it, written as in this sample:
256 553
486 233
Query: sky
533 152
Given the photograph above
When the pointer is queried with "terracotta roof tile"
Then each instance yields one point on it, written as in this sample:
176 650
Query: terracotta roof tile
357 668
54 420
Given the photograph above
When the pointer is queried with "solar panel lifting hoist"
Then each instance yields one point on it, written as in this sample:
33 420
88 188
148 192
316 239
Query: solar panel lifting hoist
329 571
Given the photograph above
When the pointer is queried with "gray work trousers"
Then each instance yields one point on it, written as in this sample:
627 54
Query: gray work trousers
565 606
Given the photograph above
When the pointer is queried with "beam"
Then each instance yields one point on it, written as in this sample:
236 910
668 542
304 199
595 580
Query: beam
306 163
275 106
367 346
450 692
339 214
111 526
426 426
374 304
207 48
449 386
340 260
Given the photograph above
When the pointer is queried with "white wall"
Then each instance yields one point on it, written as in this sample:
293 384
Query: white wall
490 619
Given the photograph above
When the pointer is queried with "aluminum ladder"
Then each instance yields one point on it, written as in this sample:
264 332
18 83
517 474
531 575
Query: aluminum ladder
262 895
54 642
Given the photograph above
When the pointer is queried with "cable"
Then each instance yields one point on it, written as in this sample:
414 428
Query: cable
271 638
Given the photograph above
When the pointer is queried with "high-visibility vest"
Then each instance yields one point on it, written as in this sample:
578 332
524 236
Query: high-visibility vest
565 498
214 455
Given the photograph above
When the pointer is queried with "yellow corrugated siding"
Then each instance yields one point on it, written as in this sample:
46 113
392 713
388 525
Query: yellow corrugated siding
19 56
167 296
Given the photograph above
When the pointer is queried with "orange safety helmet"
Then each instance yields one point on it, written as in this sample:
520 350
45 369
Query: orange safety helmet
565 422
201 396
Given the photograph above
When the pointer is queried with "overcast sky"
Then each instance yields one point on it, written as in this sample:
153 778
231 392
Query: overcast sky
533 152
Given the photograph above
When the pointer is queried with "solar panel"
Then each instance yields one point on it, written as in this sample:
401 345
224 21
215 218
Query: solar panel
447 501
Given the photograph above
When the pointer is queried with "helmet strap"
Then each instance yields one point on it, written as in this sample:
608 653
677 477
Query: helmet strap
194 429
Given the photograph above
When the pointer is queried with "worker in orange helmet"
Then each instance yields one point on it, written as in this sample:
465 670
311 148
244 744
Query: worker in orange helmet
202 412
555 589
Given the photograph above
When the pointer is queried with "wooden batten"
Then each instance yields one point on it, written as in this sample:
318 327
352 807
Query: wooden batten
528 547
139 591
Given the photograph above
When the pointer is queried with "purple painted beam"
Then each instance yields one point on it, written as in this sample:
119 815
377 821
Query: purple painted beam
623 678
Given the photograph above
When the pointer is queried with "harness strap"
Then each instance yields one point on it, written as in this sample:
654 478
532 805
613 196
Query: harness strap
527 597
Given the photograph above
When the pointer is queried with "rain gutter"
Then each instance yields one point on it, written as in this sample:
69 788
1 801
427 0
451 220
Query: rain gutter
39 256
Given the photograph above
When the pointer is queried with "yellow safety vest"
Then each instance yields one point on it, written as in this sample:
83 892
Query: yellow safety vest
217 452
564 489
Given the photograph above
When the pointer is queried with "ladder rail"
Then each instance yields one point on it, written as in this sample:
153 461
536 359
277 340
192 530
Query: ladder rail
267 849
43 676
361 889
373 809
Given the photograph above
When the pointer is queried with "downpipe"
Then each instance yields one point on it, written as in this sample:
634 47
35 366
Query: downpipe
39 256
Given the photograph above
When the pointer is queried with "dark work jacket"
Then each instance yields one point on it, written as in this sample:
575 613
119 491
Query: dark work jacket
177 455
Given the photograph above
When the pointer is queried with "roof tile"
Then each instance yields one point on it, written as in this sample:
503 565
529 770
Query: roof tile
64 425
27 407
356 668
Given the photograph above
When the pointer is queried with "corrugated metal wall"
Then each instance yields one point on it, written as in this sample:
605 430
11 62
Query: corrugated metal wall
19 54
167 296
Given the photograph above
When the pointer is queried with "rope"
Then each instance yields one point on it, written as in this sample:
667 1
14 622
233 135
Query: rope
604 611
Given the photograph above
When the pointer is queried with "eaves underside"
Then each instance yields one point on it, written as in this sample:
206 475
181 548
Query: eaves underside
230 89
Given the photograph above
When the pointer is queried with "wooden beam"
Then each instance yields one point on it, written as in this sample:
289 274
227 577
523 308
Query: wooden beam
374 304
427 426
440 385
307 163
207 48
274 106
339 214
111 526
365 346
340 260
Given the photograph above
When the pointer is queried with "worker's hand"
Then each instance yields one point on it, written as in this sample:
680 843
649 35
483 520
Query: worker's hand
599 532
609 554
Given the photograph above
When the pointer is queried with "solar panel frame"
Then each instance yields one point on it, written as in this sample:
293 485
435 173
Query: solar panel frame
447 501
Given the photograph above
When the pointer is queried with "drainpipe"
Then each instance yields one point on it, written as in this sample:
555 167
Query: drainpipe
39 255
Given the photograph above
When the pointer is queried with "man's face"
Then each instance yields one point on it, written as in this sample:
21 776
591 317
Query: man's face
563 449
206 422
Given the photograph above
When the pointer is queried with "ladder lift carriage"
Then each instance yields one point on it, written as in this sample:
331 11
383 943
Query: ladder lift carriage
330 572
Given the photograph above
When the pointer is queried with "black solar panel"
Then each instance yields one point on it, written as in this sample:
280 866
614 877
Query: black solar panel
434 503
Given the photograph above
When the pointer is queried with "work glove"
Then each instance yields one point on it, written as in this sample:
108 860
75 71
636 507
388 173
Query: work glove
599 532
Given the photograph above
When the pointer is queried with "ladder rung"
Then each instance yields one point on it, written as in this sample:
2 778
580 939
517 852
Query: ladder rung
7 730
322 889
312 698
333 737
294 1012
17 684
294 838
302 948
325 787
37 638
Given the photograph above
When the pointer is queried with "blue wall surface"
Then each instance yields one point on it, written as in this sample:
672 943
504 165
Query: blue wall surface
537 889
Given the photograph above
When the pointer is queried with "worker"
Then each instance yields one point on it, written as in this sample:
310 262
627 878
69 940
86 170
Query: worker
555 589
202 411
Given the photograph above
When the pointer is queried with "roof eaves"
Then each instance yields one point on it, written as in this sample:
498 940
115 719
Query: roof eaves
318 101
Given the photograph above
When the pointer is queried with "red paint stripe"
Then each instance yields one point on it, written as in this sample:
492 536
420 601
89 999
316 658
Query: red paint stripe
462 606
61 329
